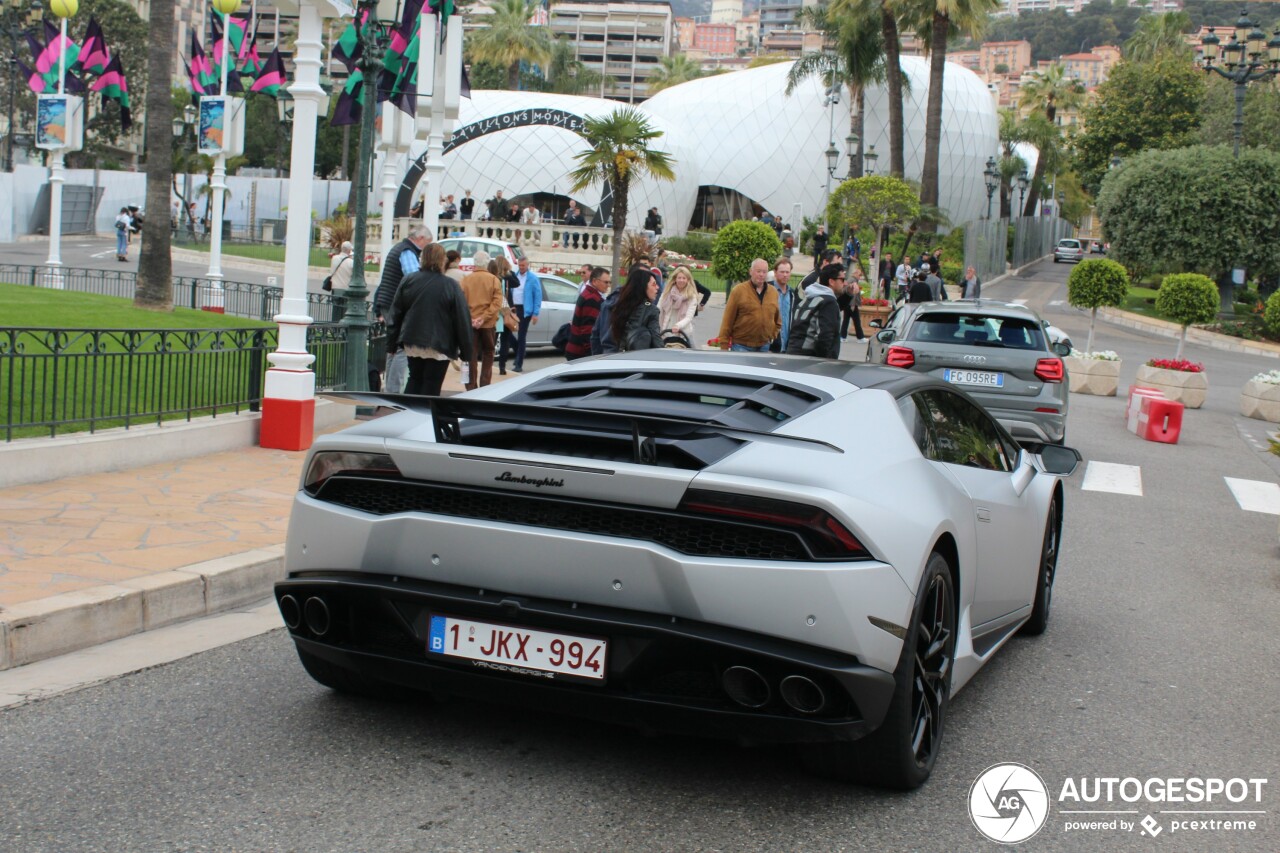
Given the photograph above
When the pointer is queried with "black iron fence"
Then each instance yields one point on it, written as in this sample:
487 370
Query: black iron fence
236 298
70 380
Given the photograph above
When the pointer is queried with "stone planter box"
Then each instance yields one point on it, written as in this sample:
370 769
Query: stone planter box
1093 376
868 313
1187 388
1260 400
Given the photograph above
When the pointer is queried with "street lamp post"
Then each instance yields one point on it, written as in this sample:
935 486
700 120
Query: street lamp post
851 148
831 101
1247 58
17 15
870 157
992 176
1024 181
190 115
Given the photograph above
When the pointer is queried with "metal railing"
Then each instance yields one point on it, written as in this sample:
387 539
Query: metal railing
986 246
1035 236
236 298
60 380
69 380
543 236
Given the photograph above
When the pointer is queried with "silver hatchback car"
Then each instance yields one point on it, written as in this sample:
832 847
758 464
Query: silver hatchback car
997 351
1068 249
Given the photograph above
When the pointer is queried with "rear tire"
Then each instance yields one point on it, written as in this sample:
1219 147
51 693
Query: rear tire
354 683
901 753
1045 572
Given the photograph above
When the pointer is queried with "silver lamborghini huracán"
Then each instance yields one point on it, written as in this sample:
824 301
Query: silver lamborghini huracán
771 548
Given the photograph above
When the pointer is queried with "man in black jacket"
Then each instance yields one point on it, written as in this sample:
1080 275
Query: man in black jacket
402 260
467 205
816 328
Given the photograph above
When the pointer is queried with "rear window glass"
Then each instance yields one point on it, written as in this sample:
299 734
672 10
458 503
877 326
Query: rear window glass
1069 244
977 330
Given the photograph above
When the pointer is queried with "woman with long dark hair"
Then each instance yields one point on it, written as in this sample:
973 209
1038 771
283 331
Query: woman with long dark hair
634 319
430 318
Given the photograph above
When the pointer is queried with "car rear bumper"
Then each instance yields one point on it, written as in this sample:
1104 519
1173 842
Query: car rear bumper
662 673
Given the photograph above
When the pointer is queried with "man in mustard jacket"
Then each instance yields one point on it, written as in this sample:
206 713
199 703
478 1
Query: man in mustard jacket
751 317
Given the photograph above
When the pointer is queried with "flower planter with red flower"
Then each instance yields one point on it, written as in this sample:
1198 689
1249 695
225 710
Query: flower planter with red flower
1178 379
874 309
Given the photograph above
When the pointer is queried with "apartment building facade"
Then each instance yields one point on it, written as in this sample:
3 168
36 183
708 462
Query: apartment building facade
624 42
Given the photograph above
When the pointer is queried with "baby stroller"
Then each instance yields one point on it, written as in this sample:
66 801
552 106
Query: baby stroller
672 339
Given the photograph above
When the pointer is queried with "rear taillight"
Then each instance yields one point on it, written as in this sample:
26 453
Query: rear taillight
331 463
1049 370
900 357
825 535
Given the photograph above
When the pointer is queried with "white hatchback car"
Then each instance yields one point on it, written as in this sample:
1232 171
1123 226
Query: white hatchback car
1068 249
468 246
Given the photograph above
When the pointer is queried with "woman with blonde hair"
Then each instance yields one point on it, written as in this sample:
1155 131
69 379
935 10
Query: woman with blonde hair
679 305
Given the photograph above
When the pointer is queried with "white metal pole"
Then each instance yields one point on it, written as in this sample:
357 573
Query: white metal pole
220 177
57 177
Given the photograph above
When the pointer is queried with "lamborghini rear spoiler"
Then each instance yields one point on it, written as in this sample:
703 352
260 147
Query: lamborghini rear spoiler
446 412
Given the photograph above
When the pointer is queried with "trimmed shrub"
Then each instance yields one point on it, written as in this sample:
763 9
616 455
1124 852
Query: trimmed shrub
1188 298
694 245
738 244
1097 283
1271 317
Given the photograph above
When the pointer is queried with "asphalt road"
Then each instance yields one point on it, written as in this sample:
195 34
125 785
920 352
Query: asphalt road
1159 662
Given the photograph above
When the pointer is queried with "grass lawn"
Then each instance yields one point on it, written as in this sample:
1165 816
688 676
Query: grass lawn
261 252
1142 300
90 377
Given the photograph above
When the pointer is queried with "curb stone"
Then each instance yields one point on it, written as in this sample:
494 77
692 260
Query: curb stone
48 627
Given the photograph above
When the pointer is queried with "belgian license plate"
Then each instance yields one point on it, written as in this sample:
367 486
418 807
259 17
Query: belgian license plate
522 651
975 377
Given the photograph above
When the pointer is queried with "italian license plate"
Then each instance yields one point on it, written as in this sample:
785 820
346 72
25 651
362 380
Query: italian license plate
975 377
522 651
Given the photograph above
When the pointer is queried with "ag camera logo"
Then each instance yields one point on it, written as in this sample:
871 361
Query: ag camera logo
1009 803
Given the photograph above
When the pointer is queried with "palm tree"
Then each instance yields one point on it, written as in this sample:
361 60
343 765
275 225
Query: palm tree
1011 163
938 18
618 155
857 60
566 75
510 39
154 288
672 71
1046 92
1156 34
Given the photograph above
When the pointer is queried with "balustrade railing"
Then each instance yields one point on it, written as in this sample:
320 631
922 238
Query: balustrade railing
542 237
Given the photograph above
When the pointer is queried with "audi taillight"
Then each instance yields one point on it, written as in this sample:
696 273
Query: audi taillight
1050 370
825 535
331 463
900 357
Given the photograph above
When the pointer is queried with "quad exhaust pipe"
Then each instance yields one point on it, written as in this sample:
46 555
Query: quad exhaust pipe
802 694
750 689
316 612
746 687
291 612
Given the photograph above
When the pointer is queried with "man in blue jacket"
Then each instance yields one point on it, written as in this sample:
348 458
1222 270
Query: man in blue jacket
527 299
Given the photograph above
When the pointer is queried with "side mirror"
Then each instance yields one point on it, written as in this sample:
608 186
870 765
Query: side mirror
1054 458
886 337
1062 349
875 324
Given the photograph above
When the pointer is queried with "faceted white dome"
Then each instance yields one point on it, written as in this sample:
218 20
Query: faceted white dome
740 131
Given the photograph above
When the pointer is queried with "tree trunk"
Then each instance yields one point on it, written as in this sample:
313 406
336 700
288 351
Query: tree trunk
1006 194
513 77
858 124
154 288
893 84
933 115
1093 318
619 213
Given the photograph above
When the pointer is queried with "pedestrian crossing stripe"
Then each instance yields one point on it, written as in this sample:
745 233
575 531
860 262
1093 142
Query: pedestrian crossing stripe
1019 302
1113 477
1255 495
1250 495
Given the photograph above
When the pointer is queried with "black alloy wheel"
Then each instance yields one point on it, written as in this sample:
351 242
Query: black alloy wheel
900 754
1045 571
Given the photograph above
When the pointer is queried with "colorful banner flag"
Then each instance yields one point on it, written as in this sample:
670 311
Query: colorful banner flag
94 55
271 77
219 50
200 70
350 105
347 49
113 86
47 59
35 80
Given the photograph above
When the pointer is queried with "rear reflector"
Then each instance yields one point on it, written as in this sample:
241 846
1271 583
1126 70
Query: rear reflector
822 532
1050 370
1048 410
900 357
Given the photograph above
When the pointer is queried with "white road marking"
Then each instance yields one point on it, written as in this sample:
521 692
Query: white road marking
1019 302
1255 495
1113 477
1057 302
103 254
